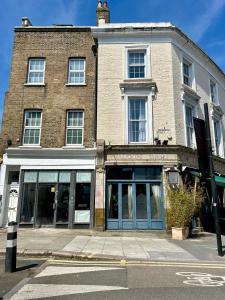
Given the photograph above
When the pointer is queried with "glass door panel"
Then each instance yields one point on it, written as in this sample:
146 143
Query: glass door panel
127 201
45 205
156 208
141 201
28 201
113 198
63 203
82 202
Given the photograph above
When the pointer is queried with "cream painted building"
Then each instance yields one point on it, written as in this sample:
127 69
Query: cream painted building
152 81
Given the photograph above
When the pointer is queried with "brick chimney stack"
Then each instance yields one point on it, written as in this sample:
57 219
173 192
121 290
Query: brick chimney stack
102 13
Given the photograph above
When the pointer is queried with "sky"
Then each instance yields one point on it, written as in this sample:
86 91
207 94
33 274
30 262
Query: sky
202 20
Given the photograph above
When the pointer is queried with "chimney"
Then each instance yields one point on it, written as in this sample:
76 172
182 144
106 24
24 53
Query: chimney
102 13
26 22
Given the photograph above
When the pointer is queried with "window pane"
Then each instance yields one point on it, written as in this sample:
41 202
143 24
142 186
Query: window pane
156 209
48 176
30 176
33 118
120 173
113 201
27 206
147 173
76 64
75 118
141 201
63 203
189 116
36 64
31 136
127 205
136 62
74 136
83 176
64 177
137 120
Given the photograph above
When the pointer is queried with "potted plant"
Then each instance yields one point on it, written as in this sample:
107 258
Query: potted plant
183 205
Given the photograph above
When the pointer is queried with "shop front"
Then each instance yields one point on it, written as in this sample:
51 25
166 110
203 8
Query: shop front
56 198
134 198
53 188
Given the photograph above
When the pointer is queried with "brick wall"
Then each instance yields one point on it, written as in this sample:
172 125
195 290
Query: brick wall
56 45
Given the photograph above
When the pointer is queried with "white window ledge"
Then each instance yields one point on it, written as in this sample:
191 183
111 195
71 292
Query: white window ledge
75 84
73 147
34 84
31 146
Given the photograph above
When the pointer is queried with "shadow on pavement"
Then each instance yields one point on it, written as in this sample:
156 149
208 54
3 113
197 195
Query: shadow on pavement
26 267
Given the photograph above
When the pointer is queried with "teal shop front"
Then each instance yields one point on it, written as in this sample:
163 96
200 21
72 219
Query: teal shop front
134 198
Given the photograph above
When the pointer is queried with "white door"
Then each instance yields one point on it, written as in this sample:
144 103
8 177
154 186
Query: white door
13 202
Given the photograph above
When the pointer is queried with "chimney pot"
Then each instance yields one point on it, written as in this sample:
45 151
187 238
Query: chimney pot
105 4
26 22
99 3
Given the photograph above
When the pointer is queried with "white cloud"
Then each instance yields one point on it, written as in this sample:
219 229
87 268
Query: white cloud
206 19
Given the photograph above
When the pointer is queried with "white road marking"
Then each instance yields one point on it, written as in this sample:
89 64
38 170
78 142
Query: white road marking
202 279
55 270
39 291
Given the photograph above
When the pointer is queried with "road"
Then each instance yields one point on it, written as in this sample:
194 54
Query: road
25 269
67 280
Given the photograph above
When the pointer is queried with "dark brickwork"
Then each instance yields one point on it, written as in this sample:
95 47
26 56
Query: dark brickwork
56 45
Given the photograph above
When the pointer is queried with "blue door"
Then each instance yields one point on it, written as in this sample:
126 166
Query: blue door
133 206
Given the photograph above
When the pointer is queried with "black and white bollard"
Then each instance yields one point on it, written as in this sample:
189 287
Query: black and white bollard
11 246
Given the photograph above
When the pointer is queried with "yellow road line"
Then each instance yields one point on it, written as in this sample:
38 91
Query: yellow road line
127 263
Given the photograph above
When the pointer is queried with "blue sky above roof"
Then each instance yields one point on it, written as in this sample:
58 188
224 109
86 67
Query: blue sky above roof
201 20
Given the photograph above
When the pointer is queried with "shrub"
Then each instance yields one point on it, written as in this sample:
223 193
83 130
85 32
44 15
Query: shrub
184 203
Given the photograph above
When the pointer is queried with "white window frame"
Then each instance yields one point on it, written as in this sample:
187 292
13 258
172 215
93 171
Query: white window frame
75 127
216 99
193 104
220 150
35 71
141 48
149 122
76 71
190 63
32 127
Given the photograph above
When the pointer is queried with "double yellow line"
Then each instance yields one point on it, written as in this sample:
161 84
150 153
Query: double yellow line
124 263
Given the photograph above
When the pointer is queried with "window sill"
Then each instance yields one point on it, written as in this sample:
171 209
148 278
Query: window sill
31 146
34 84
75 84
73 147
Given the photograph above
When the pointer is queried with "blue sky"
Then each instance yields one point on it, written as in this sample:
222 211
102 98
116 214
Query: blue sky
202 20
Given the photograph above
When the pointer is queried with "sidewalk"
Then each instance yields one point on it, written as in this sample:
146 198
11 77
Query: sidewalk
87 244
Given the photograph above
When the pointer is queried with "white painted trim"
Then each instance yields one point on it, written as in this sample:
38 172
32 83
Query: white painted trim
149 128
139 47
194 106
38 83
75 127
84 70
32 127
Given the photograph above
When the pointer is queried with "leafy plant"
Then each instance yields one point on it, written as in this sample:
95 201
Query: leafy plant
183 205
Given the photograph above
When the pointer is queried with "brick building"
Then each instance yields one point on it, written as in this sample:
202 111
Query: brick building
48 128
94 131
152 81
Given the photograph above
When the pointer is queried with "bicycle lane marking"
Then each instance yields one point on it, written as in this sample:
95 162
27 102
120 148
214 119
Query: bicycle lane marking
202 279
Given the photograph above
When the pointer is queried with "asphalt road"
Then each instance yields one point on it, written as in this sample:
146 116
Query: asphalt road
26 268
78 280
